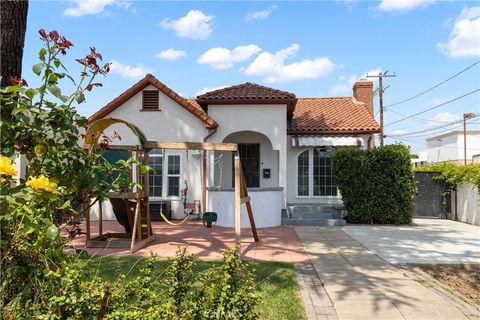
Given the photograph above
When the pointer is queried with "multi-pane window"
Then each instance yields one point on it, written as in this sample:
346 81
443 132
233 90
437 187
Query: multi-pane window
323 182
166 172
314 172
303 174
250 159
173 175
156 175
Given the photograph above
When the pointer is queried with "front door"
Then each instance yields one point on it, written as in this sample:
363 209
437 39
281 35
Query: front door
250 158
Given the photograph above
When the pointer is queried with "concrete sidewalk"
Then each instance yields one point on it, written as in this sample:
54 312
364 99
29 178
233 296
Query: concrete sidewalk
427 241
361 285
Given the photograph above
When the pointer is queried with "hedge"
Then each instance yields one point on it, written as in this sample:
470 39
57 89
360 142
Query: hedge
377 185
454 174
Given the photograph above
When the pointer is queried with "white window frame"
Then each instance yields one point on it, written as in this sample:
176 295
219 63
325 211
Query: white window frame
165 175
310 178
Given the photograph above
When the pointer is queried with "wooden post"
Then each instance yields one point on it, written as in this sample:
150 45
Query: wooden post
138 213
238 226
100 217
252 221
87 205
134 229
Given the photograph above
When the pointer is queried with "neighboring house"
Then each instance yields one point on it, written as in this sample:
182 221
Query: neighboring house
449 147
421 160
285 143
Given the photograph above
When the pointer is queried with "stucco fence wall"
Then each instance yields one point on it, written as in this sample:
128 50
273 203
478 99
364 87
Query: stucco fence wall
466 204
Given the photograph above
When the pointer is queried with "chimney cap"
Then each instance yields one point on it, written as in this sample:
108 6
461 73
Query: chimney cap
363 82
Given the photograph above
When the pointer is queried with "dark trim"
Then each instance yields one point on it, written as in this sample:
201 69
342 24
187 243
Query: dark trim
246 101
330 132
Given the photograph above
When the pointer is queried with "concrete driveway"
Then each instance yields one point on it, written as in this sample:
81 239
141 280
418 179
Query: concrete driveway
428 241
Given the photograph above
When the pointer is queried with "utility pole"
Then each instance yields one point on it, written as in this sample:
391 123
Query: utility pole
465 117
380 77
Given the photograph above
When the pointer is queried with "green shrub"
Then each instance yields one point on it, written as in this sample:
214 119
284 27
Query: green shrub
377 185
453 174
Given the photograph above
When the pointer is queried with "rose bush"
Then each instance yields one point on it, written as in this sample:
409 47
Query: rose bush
39 280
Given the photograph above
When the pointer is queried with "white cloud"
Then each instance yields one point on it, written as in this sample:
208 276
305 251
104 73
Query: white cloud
126 71
222 58
86 7
443 117
195 25
346 84
402 6
260 15
464 38
208 89
171 54
272 67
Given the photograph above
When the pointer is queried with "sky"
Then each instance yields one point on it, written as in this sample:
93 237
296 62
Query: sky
312 49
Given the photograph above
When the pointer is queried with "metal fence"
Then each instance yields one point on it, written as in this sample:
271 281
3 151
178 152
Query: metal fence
431 197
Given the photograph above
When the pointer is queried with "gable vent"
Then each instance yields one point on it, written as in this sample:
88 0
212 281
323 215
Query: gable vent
150 100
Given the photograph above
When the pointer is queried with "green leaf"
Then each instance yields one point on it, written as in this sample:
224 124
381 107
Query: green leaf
42 53
80 97
37 68
55 90
57 63
30 93
53 78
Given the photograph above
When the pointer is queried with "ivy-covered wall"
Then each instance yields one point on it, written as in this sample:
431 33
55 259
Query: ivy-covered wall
377 185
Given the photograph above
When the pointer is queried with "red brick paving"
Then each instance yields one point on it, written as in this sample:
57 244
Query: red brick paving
279 244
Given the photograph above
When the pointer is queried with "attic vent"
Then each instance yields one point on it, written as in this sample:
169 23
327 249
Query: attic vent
150 100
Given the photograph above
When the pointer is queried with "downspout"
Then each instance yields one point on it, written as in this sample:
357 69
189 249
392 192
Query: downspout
204 170
369 141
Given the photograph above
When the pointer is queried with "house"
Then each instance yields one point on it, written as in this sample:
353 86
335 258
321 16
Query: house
449 147
285 143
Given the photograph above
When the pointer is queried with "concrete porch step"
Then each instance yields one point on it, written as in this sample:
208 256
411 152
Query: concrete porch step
313 222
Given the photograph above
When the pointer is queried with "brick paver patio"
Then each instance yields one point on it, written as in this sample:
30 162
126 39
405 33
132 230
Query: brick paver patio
279 244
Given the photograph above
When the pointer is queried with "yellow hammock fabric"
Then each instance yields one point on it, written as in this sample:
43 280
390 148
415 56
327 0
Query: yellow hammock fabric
172 223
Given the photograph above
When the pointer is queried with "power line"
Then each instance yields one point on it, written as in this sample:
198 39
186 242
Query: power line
434 107
436 86
423 143
417 135
424 120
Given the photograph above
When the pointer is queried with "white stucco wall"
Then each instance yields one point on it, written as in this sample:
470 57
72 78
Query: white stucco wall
171 123
269 120
467 204
266 207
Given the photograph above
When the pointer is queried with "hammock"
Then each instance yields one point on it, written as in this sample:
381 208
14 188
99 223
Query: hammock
173 223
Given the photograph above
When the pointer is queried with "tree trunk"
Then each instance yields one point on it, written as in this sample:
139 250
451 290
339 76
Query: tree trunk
13 25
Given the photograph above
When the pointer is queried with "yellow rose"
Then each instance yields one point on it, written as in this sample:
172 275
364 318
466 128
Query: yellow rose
7 167
40 183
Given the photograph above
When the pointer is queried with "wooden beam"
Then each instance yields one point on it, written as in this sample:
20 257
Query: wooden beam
100 217
238 226
245 200
191 146
252 220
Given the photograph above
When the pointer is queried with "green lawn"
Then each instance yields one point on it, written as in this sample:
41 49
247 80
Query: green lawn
275 283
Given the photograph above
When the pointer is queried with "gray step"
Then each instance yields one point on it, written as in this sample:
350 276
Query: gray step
316 211
313 222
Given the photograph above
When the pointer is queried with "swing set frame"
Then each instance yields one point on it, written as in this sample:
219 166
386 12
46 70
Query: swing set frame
141 196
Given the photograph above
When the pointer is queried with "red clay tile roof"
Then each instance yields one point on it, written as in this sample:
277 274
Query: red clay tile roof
331 115
246 92
189 104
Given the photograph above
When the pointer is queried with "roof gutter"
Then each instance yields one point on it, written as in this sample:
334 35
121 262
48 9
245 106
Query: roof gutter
204 169
329 132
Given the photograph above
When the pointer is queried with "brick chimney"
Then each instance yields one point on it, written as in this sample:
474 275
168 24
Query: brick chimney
363 92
